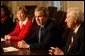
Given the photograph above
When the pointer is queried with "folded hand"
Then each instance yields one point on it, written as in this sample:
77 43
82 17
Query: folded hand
23 44
56 51
7 37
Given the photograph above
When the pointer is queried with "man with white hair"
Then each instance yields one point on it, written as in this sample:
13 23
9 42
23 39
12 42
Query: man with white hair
75 42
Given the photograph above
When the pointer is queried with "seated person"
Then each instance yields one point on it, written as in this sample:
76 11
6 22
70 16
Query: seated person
44 35
24 26
75 42
7 24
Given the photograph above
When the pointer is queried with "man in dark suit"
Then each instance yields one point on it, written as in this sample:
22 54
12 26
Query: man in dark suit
7 24
46 33
75 42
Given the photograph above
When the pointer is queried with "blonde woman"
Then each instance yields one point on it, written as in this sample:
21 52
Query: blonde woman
24 27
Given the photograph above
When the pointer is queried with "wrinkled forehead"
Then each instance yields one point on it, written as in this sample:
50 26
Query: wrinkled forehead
70 13
75 11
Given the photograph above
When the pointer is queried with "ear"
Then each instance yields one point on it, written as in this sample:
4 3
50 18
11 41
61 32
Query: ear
75 21
76 18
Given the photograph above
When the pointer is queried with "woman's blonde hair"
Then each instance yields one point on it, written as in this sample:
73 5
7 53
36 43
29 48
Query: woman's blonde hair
23 9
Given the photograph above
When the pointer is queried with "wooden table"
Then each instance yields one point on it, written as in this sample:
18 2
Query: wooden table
20 51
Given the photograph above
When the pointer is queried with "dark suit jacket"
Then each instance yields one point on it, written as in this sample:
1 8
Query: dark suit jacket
7 26
50 36
77 47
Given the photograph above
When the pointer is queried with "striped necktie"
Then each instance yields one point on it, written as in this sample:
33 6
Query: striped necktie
40 33
71 42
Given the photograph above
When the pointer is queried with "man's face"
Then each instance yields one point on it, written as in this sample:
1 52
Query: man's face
69 20
40 19
2 12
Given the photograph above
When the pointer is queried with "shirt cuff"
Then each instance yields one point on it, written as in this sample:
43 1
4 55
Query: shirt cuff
28 46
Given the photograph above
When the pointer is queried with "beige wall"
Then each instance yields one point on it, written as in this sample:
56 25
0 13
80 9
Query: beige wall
78 4
13 4
41 3
64 4
67 4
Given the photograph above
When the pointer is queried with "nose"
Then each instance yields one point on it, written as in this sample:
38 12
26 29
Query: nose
37 18
20 15
65 20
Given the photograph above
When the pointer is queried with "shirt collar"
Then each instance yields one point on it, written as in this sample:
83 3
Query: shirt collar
75 31
42 26
24 22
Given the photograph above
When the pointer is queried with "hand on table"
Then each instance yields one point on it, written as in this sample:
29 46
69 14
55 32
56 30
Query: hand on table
23 44
56 51
7 37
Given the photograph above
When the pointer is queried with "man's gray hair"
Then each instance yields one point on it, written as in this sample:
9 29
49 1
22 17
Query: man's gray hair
77 13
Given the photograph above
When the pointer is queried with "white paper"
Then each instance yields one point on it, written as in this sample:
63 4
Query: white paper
2 39
10 49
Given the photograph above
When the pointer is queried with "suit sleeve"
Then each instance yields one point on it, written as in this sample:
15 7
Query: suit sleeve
78 48
32 38
49 39
80 45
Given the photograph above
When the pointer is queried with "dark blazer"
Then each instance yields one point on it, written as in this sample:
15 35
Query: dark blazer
77 47
7 26
50 36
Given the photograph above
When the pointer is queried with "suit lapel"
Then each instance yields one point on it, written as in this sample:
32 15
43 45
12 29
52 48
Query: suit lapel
75 39
68 40
44 33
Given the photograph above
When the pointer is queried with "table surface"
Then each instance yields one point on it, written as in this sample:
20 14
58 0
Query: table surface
20 51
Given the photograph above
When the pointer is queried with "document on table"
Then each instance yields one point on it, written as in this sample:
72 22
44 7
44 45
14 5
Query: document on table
2 39
10 49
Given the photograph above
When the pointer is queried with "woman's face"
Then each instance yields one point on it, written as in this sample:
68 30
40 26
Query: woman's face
21 15
2 12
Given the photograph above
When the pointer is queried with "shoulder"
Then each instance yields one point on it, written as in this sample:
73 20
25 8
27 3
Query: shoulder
29 21
81 28
50 24
80 32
